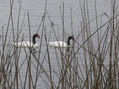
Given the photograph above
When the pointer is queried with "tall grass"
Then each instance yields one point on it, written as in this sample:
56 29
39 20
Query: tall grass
92 62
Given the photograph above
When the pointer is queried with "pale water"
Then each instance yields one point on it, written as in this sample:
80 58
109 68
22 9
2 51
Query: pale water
36 9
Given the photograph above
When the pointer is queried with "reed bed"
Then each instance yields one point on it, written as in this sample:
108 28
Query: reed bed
92 62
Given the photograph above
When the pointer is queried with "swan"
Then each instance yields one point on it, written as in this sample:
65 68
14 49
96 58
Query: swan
32 44
61 44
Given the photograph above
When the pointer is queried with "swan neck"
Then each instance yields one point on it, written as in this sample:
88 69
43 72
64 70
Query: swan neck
34 41
68 41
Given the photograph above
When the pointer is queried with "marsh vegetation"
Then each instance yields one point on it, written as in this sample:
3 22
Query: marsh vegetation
92 62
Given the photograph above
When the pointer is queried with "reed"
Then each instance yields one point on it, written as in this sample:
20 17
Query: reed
92 62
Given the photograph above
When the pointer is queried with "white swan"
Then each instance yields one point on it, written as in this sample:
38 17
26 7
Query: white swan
32 44
61 44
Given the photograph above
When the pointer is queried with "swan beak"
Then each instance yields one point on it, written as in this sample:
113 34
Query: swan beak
73 39
38 36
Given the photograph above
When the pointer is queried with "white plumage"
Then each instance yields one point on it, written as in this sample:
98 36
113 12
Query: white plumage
25 44
28 44
61 44
58 44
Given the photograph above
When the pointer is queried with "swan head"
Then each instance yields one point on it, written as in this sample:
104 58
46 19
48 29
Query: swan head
36 35
71 37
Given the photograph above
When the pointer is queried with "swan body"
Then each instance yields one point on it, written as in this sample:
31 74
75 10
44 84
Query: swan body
28 44
58 44
61 44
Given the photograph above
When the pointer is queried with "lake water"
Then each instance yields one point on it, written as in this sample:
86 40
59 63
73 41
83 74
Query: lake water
36 8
